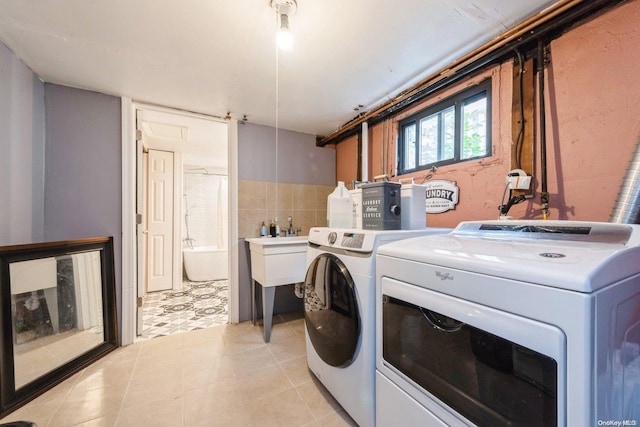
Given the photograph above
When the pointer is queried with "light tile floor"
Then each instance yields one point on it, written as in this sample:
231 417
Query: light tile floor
221 376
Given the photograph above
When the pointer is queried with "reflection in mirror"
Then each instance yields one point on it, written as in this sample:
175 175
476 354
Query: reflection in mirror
56 307
57 314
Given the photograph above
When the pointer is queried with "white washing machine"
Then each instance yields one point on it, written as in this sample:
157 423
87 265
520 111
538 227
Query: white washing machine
500 323
339 299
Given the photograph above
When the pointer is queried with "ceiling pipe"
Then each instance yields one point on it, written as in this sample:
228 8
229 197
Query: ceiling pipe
547 23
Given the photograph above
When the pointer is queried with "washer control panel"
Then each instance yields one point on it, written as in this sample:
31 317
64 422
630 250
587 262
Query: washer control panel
352 240
346 240
362 241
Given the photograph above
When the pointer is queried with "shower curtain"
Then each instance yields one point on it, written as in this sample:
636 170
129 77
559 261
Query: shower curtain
206 212
223 219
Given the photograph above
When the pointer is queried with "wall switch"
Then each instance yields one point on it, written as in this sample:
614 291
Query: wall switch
519 182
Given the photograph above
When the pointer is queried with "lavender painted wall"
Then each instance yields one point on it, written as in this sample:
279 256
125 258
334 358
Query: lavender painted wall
299 162
69 187
22 152
83 169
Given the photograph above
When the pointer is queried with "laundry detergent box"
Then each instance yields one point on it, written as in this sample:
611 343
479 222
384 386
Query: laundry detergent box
381 206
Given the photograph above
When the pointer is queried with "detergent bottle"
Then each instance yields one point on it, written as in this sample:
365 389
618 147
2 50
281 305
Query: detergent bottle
340 208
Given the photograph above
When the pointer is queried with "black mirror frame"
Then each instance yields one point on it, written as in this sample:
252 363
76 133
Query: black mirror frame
12 399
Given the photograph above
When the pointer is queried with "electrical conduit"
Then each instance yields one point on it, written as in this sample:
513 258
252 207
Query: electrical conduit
544 194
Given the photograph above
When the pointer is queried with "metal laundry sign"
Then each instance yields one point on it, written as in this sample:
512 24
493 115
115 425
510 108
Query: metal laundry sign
441 195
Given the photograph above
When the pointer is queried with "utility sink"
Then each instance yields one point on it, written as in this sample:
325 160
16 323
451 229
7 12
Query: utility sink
275 261
279 260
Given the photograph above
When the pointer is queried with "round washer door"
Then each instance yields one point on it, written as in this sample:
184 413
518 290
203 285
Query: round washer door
331 310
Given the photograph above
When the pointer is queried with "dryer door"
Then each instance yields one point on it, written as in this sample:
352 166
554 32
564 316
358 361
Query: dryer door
331 310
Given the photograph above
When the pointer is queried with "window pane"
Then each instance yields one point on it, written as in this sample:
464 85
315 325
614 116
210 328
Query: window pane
410 146
429 132
438 136
452 130
449 134
474 116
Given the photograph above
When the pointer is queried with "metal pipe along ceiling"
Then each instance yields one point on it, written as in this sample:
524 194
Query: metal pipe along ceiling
627 207
547 24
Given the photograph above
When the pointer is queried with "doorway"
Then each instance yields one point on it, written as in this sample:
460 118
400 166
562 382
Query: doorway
167 144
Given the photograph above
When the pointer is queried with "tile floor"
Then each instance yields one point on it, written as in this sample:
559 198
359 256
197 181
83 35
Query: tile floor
220 376
197 305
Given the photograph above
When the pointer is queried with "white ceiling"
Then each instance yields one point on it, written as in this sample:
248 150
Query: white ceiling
215 56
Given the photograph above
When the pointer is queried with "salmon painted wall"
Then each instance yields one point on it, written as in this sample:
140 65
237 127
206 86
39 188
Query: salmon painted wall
592 99
347 160
593 113
481 182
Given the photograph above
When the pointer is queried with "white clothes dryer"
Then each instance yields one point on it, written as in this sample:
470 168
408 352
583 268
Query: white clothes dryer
505 323
339 299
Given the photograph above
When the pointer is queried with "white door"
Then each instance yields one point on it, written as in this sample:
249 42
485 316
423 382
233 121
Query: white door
160 221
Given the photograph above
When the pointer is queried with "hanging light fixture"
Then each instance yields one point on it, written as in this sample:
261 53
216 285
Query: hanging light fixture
284 9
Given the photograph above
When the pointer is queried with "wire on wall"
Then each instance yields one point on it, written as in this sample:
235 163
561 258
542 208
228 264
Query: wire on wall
520 137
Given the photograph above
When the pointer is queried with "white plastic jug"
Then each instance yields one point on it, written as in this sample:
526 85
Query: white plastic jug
356 196
413 216
340 208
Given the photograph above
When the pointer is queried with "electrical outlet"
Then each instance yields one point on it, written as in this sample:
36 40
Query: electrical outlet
519 182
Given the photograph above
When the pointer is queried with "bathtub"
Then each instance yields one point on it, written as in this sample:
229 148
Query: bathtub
205 263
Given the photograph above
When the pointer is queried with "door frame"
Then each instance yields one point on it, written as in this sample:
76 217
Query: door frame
129 241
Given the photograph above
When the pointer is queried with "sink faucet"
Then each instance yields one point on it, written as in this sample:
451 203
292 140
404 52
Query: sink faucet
189 241
291 231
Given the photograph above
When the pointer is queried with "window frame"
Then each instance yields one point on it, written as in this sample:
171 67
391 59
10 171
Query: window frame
458 101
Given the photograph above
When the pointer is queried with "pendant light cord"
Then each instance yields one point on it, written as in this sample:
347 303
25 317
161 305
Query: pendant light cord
277 107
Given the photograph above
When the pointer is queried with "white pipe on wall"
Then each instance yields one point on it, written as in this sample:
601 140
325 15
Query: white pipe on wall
365 152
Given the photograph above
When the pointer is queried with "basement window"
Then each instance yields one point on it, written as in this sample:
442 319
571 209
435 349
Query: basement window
454 130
